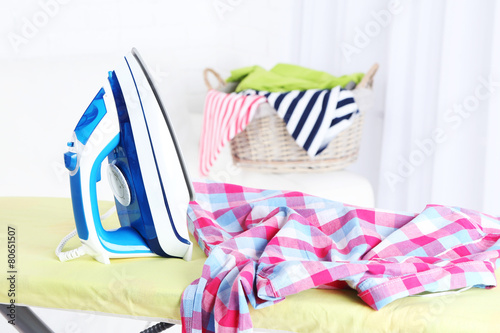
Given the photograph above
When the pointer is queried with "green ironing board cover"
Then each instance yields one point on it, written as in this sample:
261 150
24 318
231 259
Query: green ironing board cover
152 287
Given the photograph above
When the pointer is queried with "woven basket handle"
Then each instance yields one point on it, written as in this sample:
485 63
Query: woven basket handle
367 80
219 78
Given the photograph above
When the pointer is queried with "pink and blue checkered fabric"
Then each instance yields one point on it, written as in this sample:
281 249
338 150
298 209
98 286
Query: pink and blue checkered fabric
263 245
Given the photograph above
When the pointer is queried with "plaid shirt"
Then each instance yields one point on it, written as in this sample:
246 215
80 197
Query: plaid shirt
263 245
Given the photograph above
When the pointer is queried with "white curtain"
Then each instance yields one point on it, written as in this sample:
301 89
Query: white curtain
434 134
442 111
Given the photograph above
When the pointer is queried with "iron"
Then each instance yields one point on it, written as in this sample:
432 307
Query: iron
127 123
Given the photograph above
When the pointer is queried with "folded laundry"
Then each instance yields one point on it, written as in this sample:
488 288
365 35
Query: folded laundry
286 77
264 245
225 115
313 117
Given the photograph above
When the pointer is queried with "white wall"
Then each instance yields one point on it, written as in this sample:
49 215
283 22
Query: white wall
52 66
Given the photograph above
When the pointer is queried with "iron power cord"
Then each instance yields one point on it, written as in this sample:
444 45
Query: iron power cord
79 251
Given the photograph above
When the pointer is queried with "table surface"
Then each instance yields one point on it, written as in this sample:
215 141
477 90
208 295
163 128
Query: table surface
152 287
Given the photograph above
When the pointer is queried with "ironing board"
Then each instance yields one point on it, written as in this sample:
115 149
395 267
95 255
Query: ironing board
151 288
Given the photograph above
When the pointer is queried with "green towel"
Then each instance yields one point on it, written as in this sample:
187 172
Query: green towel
285 77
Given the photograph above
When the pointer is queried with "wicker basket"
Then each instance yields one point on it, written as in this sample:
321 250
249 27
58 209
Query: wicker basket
266 146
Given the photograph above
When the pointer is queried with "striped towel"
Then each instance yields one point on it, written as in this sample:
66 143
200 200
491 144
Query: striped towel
313 117
225 115
264 245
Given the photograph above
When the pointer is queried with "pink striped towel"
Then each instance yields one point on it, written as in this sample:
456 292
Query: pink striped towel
225 115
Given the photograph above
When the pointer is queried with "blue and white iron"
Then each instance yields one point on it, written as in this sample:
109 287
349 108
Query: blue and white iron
127 123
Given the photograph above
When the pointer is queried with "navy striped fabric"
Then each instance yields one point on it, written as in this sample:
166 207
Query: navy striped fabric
313 117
